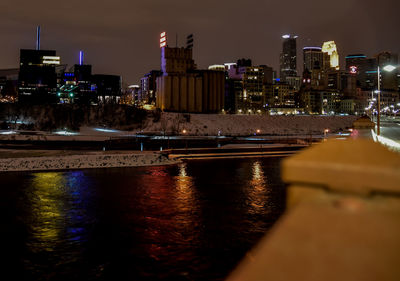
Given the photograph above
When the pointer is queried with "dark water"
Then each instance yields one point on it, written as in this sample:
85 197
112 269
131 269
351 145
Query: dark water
192 221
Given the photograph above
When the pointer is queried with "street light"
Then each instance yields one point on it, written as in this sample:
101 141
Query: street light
387 68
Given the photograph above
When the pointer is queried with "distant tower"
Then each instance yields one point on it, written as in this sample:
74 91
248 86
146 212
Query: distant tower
331 54
288 58
38 38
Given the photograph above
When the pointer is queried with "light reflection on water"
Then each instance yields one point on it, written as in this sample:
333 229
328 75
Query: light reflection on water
192 221
47 211
257 195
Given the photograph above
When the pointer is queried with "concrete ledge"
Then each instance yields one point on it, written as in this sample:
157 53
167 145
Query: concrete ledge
342 221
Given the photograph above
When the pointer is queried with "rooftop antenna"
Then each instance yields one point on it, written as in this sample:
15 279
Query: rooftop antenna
38 38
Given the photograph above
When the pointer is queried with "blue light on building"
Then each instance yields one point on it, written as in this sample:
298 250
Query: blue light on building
80 57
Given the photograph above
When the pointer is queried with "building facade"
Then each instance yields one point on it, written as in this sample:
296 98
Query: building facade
37 81
182 88
288 57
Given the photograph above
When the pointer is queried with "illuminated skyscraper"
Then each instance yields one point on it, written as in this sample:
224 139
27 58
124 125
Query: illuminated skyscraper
288 59
332 57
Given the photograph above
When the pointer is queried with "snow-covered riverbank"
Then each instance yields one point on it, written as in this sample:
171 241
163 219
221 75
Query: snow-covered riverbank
198 125
83 161
244 125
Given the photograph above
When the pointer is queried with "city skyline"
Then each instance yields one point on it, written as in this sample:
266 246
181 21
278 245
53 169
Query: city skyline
122 41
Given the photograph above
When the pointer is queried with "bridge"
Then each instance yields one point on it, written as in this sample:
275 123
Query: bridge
342 220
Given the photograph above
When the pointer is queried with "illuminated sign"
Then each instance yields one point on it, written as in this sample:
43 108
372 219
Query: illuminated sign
353 69
51 60
163 39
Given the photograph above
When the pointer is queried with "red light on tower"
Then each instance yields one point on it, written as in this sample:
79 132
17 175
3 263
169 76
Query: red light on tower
163 39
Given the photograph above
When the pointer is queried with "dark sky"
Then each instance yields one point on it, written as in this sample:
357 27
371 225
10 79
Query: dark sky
121 36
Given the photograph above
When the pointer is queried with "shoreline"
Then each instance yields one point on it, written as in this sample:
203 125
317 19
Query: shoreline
83 161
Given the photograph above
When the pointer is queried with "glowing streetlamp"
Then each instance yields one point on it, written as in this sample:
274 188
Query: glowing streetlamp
387 68
326 131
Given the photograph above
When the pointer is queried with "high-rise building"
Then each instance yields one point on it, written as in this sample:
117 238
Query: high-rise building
313 58
364 69
331 55
388 79
245 88
288 57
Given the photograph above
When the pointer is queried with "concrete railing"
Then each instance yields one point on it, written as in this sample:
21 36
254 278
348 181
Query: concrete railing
342 220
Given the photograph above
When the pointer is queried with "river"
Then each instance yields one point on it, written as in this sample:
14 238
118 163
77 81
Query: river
191 221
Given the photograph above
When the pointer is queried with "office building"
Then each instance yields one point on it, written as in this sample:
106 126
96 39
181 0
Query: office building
245 90
331 56
278 96
288 57
312 58
148 87
37 82
107 88
8 84
389 80
364 69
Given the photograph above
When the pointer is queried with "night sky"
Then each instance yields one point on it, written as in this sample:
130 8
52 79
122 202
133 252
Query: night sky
121 36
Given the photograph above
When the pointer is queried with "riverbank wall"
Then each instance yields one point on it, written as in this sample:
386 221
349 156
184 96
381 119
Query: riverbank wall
84 161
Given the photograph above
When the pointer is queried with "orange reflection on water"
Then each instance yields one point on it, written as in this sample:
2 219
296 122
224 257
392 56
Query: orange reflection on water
257 192
184 190
170 211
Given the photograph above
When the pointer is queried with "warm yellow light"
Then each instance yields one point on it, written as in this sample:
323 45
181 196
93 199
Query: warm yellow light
330 48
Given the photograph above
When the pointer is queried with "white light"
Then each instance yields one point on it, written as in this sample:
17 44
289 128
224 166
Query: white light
385 141
106 130
51 62
66 133
51 58
7 133
162 34
389 68
286 36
